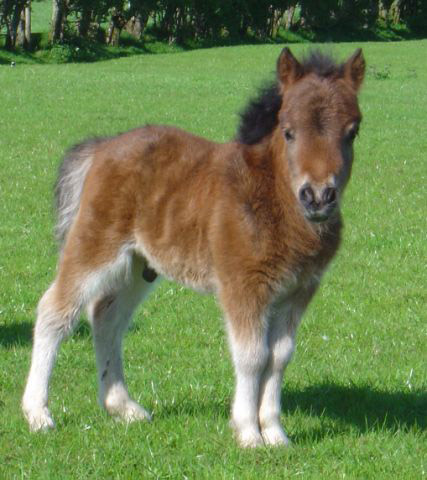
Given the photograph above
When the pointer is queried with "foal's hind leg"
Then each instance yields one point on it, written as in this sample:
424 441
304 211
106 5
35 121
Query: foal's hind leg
57 313
109 317
81 276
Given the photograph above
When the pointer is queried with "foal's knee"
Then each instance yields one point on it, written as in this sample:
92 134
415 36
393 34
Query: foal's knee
55 314
281 352
250 357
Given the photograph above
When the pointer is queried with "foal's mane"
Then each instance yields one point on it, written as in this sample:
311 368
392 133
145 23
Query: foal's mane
260 117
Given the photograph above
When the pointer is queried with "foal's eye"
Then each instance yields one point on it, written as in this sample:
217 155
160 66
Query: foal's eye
289 135
352 133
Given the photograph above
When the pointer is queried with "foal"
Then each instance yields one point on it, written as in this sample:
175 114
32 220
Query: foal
256 221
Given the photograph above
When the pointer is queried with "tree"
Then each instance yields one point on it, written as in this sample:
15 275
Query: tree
290 15
11 14
59 19
24 27
131 15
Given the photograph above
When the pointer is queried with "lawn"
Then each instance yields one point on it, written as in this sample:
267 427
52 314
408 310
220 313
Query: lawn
354 397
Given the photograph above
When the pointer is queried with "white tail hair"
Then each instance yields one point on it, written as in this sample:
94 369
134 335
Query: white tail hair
69 185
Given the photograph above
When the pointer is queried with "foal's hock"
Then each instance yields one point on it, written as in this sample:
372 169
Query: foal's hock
255 221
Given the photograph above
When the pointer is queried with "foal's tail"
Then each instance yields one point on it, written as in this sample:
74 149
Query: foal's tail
69 185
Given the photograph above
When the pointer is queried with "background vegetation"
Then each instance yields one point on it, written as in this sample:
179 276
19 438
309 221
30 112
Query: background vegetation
80 29
354 397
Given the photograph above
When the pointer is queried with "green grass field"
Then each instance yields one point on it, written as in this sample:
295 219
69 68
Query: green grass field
355 395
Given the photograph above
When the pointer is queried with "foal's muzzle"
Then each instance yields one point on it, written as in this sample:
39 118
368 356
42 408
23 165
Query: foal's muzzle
318 202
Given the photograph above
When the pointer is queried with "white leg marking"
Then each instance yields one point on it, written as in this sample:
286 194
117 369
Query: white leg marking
51 328
282 327
109 319
249 357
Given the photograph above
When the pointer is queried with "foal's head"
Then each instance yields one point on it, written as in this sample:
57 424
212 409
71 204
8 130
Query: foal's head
319 119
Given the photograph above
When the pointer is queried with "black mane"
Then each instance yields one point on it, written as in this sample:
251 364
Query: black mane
260 117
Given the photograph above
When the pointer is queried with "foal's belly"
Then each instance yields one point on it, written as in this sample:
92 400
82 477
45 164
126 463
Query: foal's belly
187 268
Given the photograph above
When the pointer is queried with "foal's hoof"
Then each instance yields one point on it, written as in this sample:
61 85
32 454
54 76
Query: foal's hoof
249 438
130 412
275 437
39 419
135 412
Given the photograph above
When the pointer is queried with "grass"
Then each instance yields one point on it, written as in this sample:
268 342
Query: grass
355 401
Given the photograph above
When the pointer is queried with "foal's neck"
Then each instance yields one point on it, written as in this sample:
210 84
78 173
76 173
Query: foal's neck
268 165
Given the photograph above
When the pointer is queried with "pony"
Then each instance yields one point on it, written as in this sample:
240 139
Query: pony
255 221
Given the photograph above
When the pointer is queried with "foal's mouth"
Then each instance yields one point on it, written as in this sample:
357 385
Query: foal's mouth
320 215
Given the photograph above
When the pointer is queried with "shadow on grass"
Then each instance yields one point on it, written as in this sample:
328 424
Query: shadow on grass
20 334
362 407
83 329
16 334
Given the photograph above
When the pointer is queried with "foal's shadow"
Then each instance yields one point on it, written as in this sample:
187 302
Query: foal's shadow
16 334
363 407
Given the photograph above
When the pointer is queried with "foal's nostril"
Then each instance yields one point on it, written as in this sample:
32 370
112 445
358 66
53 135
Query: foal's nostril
306 195
329 195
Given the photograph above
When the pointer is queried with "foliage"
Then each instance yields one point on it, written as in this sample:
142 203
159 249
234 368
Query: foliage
343 13
189 21
76 50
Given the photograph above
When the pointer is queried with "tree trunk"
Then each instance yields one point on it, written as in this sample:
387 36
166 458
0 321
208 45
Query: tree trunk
115 28
20 37
133 27
290 17
27 16
395 11
110 33
12 25
58 21
382 10
84 22
24 27
275 20
136 25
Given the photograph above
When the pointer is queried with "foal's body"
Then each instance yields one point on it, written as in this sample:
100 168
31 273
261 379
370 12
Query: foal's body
236 219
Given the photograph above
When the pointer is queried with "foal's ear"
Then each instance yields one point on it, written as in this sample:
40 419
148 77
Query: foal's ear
289 70
354 69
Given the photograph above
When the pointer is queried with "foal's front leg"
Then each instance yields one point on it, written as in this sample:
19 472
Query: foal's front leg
249 349
283 320
281 334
